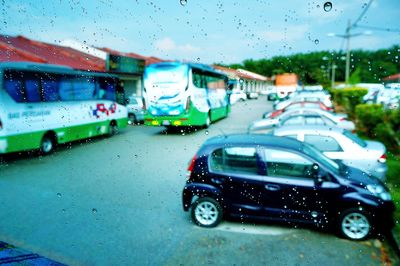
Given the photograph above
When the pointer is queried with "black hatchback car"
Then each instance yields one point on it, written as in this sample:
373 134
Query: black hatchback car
282 179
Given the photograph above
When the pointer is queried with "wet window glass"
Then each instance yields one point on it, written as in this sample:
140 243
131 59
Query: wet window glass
235 159
323 143
286 164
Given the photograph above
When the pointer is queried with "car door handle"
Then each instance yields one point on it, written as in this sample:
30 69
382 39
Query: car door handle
272 187
217 180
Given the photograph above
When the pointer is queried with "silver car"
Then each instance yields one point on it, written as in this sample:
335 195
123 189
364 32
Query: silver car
304 116
340 144
301 96
135 110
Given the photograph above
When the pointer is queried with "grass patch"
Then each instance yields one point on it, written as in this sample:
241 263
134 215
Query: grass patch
393 182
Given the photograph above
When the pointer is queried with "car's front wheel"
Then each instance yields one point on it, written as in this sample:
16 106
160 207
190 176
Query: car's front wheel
206 212
355 224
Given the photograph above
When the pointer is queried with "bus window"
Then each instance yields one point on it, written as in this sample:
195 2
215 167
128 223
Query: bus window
66 90
14 89
84 88
106 89
32 90
50 87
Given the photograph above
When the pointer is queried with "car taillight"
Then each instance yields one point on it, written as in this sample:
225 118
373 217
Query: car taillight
382 159
191 166
276 113
342 119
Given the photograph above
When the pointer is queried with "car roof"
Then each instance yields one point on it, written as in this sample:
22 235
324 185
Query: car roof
308 129
254 139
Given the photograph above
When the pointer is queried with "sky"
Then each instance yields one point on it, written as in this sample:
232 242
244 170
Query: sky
207 31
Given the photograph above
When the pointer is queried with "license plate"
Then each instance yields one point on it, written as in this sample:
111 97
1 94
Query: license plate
166 123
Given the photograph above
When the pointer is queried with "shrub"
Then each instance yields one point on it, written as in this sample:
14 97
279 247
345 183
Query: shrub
368 116
349 98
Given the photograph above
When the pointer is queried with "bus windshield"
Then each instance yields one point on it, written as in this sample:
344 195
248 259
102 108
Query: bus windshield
166 74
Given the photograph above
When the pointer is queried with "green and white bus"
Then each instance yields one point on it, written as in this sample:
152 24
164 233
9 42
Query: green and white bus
44 105
183 94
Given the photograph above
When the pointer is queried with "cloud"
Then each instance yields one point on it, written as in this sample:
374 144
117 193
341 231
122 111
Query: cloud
168 45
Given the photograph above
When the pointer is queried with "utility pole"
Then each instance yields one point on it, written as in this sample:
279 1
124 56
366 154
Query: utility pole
333 74
347 36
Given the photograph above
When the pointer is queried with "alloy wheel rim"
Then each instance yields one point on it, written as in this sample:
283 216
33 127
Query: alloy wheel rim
206 213
355 225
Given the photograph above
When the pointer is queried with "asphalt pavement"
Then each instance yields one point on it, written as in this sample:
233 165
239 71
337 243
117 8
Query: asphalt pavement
117 201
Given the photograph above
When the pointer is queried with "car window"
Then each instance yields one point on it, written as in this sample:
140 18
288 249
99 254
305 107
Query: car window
322 143
314 120
234 159
295 120
287 164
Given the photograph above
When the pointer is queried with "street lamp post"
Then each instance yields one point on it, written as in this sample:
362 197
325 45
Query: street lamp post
347 36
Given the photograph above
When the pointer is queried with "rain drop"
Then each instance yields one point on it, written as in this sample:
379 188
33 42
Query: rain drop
206 132
59 195
183 2
198 58
327 6
316 41
94 210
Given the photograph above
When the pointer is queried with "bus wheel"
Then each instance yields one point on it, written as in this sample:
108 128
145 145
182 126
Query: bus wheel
47 145
113 129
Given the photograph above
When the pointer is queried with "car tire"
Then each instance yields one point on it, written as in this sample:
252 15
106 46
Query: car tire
206 212
132 119
354 224
47 145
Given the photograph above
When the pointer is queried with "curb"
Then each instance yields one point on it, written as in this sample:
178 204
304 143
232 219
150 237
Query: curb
11 255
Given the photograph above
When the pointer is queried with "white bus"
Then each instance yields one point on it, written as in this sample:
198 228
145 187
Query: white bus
184 94
44 105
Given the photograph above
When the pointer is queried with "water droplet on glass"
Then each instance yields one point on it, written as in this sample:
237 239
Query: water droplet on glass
183 2
94 210
316 41
327 6
59 195
198 58
206 132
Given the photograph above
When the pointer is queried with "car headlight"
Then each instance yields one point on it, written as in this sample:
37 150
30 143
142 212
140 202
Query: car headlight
379 191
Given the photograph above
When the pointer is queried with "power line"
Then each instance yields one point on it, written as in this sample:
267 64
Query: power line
362 14
378 28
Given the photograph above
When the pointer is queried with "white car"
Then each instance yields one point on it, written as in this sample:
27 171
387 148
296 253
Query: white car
387 94
308 96
340 144
304 116
237 95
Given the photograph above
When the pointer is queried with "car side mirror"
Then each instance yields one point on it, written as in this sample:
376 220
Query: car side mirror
316 173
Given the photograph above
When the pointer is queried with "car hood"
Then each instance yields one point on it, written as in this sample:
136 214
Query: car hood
358 177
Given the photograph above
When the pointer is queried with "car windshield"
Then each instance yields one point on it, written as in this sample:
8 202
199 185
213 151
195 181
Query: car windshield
321 158
355 139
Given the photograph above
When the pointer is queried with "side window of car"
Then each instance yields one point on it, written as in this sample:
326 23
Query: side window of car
323 143
234 159
296 120
286 164
314 120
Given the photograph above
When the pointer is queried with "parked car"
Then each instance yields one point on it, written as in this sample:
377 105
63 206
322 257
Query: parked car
373 91
308 96
386 95
301 117
135 110
252 95
237 95
340 144
297 105
282 179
